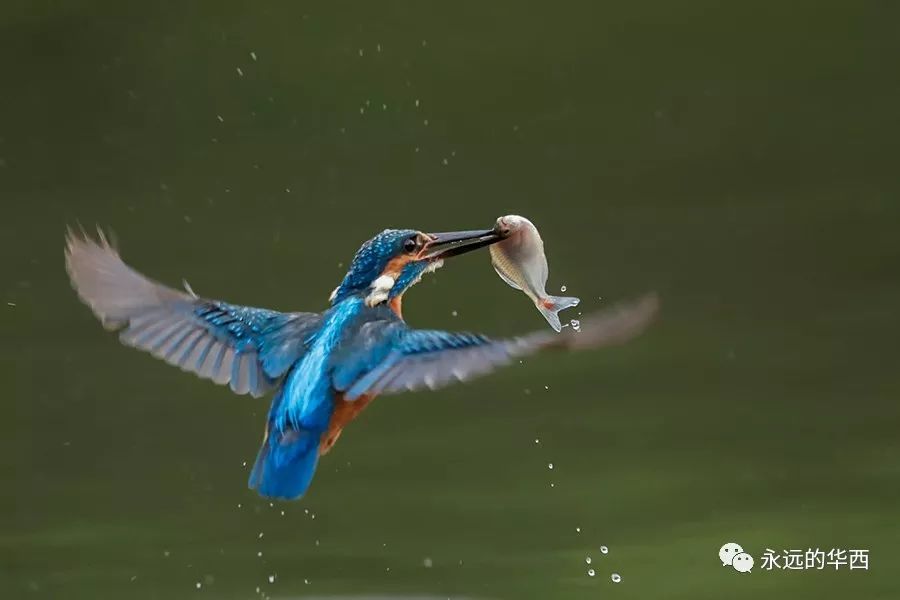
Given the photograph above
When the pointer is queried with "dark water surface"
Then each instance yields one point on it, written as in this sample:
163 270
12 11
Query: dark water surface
740 158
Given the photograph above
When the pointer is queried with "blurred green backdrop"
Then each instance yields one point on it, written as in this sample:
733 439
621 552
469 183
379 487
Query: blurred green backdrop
739 157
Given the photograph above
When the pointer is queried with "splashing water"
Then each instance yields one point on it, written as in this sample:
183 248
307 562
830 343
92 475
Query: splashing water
576 324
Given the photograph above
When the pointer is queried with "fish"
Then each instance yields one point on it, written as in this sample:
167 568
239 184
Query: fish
520 261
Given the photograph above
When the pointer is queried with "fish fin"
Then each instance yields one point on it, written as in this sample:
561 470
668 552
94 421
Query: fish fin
551 305
506 277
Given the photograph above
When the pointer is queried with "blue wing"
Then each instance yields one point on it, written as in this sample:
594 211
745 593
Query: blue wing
388 356
247 348
391 357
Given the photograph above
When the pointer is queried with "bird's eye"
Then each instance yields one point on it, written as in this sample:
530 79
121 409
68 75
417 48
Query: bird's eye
409 245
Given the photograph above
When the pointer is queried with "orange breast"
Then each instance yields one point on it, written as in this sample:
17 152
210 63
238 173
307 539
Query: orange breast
344 412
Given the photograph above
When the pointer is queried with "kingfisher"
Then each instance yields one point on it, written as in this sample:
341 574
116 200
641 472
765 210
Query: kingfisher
323 368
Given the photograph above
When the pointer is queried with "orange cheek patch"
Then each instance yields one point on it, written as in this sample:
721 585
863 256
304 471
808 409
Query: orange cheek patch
395 266
393 269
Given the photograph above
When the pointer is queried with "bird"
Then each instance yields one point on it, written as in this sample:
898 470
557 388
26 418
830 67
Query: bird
322 368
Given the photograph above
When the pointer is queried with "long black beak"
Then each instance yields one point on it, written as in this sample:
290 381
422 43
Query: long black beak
445 245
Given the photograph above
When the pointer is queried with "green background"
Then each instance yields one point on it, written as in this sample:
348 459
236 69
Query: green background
741 158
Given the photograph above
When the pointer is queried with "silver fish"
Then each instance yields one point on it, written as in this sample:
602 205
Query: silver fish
520 261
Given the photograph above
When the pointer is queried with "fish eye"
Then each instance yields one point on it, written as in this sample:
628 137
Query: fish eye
410 244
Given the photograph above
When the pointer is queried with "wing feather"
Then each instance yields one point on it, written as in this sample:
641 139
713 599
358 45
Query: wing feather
248 348
432 359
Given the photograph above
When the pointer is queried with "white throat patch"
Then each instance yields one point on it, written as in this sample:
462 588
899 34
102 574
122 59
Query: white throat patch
381 288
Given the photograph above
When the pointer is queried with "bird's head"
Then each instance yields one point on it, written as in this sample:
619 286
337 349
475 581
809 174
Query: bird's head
395 259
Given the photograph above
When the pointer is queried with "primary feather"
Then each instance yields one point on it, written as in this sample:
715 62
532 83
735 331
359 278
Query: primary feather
246 348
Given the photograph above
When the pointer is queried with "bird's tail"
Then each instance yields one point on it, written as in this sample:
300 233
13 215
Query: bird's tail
551 305
285 464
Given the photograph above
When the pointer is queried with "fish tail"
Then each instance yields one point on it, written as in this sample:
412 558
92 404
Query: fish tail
551 305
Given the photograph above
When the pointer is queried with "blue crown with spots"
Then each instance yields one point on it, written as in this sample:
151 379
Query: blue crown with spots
371 260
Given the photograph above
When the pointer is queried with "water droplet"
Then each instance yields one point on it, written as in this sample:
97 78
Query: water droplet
425 122
282 513
591 573
576 324
537 440
454 313
219 117
240 72
587 559
417 103
259 554
306 582
578 530
378 47
384 107
271 578
550 466
428 563
253 56
166 553
199 585
360 51
261 534
604 550
616 578
445 162
562 289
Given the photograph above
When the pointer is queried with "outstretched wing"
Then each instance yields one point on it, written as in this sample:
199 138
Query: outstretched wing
247 348
391 357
